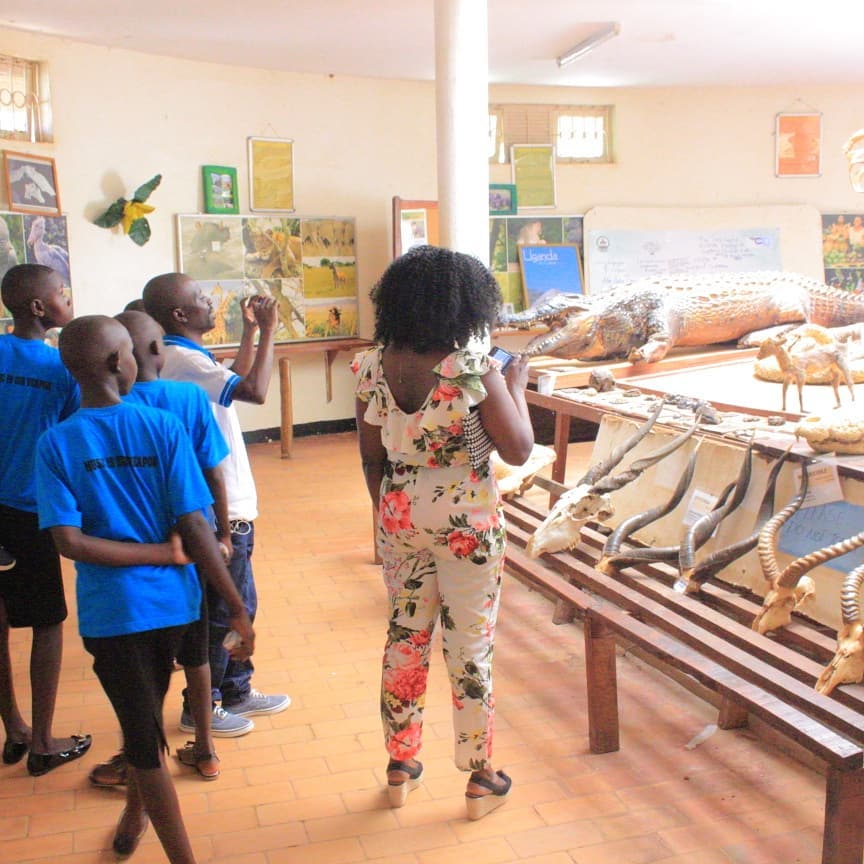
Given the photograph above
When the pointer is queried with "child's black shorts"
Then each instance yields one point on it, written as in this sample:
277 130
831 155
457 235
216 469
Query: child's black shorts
194 648
135 671
32 590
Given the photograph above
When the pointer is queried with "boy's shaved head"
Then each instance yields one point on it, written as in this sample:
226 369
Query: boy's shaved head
142 328
24 283
87 344
136 305
163 294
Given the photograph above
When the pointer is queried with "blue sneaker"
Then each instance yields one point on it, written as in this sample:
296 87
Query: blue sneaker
223 724
258 703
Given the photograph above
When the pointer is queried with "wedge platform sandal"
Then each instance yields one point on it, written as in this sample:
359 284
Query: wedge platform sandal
479 806
397 791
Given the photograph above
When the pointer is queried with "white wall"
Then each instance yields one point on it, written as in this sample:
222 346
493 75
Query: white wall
120 117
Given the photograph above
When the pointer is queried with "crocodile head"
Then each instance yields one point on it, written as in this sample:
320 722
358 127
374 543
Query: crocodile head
578 331
560 529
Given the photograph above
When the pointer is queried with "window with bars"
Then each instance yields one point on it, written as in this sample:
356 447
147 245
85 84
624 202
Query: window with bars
580 133
24 113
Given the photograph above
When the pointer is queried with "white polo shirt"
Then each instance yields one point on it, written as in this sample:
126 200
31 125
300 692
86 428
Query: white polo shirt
187 361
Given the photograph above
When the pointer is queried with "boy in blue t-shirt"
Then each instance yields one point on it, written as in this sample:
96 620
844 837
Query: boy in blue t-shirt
114 481
36 392
190 405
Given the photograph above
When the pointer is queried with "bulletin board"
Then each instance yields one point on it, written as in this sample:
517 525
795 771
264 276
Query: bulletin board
415 223
623 244
306 263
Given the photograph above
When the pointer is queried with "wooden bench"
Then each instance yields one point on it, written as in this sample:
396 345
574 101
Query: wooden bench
709 638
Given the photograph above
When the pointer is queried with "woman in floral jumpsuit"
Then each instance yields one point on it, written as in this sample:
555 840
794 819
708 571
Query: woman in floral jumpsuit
440 526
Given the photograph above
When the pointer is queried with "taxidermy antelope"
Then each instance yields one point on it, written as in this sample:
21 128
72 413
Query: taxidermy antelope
847 665
589 499
830 359
791 586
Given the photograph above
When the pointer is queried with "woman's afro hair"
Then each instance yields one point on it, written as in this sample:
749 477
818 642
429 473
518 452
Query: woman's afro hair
434 298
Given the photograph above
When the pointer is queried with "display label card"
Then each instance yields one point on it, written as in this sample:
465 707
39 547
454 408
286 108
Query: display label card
700 504
816 527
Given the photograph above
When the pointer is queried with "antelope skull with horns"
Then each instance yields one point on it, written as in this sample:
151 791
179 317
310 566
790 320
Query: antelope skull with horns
589 499
847 665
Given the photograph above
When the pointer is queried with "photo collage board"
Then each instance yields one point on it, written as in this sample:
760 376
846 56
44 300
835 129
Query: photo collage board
307 263
33 239
508 233
843 250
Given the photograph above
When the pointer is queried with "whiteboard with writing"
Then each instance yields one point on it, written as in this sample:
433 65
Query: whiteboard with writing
628 243
618 256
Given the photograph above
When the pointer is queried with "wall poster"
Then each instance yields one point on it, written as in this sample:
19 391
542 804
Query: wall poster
843 250
308 263
508 233
32 239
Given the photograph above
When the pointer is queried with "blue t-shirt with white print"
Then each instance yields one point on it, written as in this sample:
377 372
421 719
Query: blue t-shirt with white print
124 472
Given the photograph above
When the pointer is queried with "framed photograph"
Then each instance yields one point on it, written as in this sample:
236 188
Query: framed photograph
31 183
502 199
534 174
550 267
271 174
220 189
798 145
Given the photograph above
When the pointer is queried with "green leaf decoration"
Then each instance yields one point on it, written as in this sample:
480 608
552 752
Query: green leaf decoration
139 231
142 193
112 215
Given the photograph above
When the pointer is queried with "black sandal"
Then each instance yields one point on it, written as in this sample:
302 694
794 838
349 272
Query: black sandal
397 791
479 805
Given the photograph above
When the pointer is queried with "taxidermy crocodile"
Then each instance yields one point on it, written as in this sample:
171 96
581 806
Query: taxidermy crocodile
643 320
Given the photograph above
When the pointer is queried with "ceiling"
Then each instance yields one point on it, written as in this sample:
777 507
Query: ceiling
661 43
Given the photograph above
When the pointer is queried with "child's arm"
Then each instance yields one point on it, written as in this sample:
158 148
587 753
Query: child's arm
201 545
72 543
215 478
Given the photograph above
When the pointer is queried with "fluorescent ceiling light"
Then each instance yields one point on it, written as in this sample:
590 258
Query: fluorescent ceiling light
604 34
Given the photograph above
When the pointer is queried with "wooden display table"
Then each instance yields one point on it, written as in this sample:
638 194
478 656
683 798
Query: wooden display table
283 353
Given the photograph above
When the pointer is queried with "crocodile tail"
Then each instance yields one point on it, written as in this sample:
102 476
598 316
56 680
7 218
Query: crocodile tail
833 307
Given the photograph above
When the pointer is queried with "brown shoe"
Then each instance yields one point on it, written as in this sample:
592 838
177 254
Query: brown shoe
111 773
206 764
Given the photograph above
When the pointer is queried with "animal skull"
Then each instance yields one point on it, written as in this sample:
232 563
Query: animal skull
847 665
780 602
560 529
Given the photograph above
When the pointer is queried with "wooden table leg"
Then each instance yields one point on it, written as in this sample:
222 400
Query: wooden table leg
562 440
286 432
602 683
843 836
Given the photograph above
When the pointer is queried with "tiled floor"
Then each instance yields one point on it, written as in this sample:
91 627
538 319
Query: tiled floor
306 785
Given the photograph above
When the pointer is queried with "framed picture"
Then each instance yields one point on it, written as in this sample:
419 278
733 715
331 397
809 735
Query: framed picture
220 189
534 174
271 174
550 267
31 183
798 145
502 198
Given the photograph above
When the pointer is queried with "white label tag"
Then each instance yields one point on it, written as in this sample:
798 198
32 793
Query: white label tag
700 504
546 383
823 484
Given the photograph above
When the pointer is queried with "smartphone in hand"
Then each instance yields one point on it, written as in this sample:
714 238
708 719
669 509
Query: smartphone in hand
504 357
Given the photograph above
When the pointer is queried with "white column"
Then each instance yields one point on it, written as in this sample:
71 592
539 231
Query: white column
462 109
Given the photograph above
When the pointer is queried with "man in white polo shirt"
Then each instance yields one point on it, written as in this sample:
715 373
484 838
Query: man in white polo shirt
186 313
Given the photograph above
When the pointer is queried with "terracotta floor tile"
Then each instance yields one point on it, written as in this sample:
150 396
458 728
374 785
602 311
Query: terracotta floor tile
308 784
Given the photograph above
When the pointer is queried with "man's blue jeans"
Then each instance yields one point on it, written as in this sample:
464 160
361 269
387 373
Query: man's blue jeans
231 681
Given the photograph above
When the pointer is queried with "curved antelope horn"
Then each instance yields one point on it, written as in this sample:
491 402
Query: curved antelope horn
610 484
793 571
712 564
601 469
616 539
699 532
768 533
849 608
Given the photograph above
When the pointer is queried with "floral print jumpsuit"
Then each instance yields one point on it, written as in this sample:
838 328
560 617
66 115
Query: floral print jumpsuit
441 540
